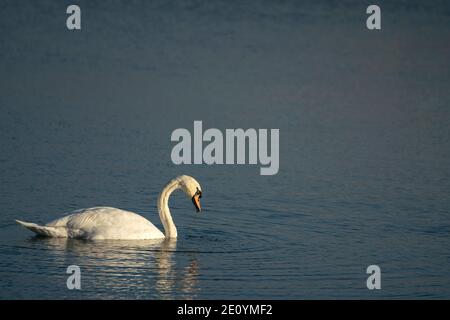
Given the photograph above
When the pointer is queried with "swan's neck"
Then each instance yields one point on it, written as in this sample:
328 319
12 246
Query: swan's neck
170 230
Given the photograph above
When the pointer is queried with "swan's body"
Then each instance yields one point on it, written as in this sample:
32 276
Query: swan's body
110 223
98 223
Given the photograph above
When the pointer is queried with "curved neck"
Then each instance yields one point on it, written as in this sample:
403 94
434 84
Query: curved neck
170 230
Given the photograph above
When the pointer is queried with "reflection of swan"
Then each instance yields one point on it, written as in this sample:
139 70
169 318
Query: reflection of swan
127 269
111 223
171 282
165 282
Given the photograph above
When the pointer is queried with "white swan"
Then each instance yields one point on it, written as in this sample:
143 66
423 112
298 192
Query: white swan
110 223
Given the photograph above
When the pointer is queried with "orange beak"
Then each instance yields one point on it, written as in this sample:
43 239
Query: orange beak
196 202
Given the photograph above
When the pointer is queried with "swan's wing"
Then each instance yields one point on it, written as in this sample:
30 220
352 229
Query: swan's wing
107 223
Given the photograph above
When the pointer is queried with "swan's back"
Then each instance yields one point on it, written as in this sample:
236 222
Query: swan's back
105 223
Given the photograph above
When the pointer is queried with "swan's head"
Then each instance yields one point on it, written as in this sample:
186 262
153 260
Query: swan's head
192 188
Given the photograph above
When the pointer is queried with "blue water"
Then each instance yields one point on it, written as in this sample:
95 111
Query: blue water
364 123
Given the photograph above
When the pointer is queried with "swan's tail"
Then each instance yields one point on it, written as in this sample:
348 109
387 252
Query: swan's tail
44 230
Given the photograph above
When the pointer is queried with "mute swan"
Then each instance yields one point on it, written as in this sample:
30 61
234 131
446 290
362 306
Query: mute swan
110 223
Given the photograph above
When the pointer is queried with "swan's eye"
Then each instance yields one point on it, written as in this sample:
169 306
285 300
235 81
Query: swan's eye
199 193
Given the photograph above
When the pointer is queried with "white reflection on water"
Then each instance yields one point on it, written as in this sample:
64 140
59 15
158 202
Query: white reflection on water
109 267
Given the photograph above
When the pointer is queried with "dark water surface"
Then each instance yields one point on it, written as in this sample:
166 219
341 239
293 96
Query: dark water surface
364 123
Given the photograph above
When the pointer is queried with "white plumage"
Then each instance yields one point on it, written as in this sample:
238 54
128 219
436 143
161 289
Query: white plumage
100 223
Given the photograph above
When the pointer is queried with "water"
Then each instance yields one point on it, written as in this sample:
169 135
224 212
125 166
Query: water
86 119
